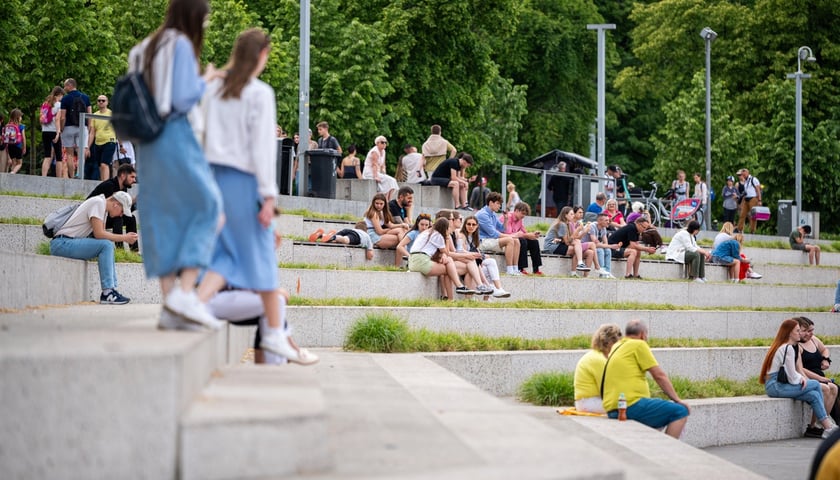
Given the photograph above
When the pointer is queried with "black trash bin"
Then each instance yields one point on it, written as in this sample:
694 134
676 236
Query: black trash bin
322 165
285 163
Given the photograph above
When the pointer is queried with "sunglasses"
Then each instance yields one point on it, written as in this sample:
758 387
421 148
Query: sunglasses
101 101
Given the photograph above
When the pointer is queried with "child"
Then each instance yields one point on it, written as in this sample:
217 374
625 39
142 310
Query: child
241 147
380 224
15 139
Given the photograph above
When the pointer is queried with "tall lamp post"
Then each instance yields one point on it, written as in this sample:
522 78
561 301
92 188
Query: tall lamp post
709 36
303 99
599 149
806 54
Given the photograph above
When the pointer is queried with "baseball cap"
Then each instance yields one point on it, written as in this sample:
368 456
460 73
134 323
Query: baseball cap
125 201
730 178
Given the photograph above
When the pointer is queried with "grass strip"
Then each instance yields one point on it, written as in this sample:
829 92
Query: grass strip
524 304
388 333
21 220
557 388
15 193
120 255
322 216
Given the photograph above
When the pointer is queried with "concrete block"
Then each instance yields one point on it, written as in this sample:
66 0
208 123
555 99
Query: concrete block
35 207
268 421
501 373
96 402
357 189
30 280
434 196
727 421
64 187
21 238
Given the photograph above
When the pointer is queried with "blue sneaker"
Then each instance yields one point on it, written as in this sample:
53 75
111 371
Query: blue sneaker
113 298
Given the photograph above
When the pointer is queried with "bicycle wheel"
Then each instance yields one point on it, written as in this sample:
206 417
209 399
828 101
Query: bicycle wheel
655 218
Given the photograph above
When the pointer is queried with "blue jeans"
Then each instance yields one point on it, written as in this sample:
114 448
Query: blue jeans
811 394
837 293
604 259
85 249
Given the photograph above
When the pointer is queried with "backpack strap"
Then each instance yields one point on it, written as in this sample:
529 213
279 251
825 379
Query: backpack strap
604 375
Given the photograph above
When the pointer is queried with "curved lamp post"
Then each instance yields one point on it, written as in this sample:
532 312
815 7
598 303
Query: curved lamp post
806 54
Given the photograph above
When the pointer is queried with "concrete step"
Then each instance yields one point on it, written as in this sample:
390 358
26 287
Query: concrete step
501 373
98 391
63 187
268 421
322 283
328 326
26 238
713 422
403 417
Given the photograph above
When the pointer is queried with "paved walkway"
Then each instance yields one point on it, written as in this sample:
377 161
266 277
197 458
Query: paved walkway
780 460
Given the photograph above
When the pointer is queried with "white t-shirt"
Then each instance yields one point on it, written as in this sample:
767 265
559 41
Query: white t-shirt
129 152
426 244
412 163
78 225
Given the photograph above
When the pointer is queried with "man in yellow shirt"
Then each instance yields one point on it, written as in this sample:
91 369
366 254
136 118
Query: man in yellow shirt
102 143
629 361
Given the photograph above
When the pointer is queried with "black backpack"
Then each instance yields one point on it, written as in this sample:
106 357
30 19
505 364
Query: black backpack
76 107
134 114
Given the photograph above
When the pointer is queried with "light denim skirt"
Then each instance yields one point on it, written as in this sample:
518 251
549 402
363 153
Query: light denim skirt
179 201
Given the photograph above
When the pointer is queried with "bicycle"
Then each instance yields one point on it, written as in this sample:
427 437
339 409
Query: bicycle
656 208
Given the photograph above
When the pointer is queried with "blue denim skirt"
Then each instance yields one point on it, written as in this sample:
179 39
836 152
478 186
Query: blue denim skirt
179 201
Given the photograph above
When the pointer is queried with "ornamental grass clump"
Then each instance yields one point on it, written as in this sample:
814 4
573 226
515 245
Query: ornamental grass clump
378 333
548 389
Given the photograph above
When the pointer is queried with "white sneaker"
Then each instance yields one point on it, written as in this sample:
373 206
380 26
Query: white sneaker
699 280
574 274
515 273
189 307
484 290
603 275
581 267
171 321
278 343
828 431
500 293
836 308
754 275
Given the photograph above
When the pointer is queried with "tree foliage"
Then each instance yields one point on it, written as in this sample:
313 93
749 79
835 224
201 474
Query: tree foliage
508 80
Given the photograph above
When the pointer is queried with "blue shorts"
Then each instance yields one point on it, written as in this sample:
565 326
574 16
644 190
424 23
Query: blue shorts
654 412
724 260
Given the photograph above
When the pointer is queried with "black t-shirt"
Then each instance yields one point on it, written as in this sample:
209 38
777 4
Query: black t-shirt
443 170
108 188
397 211
625 235
329 142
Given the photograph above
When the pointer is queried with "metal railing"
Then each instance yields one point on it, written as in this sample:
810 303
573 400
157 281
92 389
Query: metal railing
584 190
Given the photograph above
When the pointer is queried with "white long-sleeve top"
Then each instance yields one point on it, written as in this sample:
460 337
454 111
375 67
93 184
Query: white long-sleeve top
680 243
240 132
790 363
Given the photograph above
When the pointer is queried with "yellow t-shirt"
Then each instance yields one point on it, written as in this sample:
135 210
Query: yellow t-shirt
588 373
104 131
630 360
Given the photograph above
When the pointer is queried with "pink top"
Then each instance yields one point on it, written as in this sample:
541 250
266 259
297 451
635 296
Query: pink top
513 225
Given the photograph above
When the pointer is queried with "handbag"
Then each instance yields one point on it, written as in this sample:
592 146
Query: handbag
782 375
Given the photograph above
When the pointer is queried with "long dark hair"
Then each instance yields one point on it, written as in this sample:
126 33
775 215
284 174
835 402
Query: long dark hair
186 16
472 238
386 212
243 60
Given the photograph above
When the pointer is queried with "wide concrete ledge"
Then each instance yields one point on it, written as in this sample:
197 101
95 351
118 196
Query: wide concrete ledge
63 187
30 279
642 449
716 422
328 326
322 283
501 373
97 391
268 421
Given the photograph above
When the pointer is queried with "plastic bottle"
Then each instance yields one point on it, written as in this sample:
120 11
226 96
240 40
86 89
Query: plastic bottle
622 407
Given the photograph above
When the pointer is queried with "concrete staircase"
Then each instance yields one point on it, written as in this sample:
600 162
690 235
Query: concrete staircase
105 395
